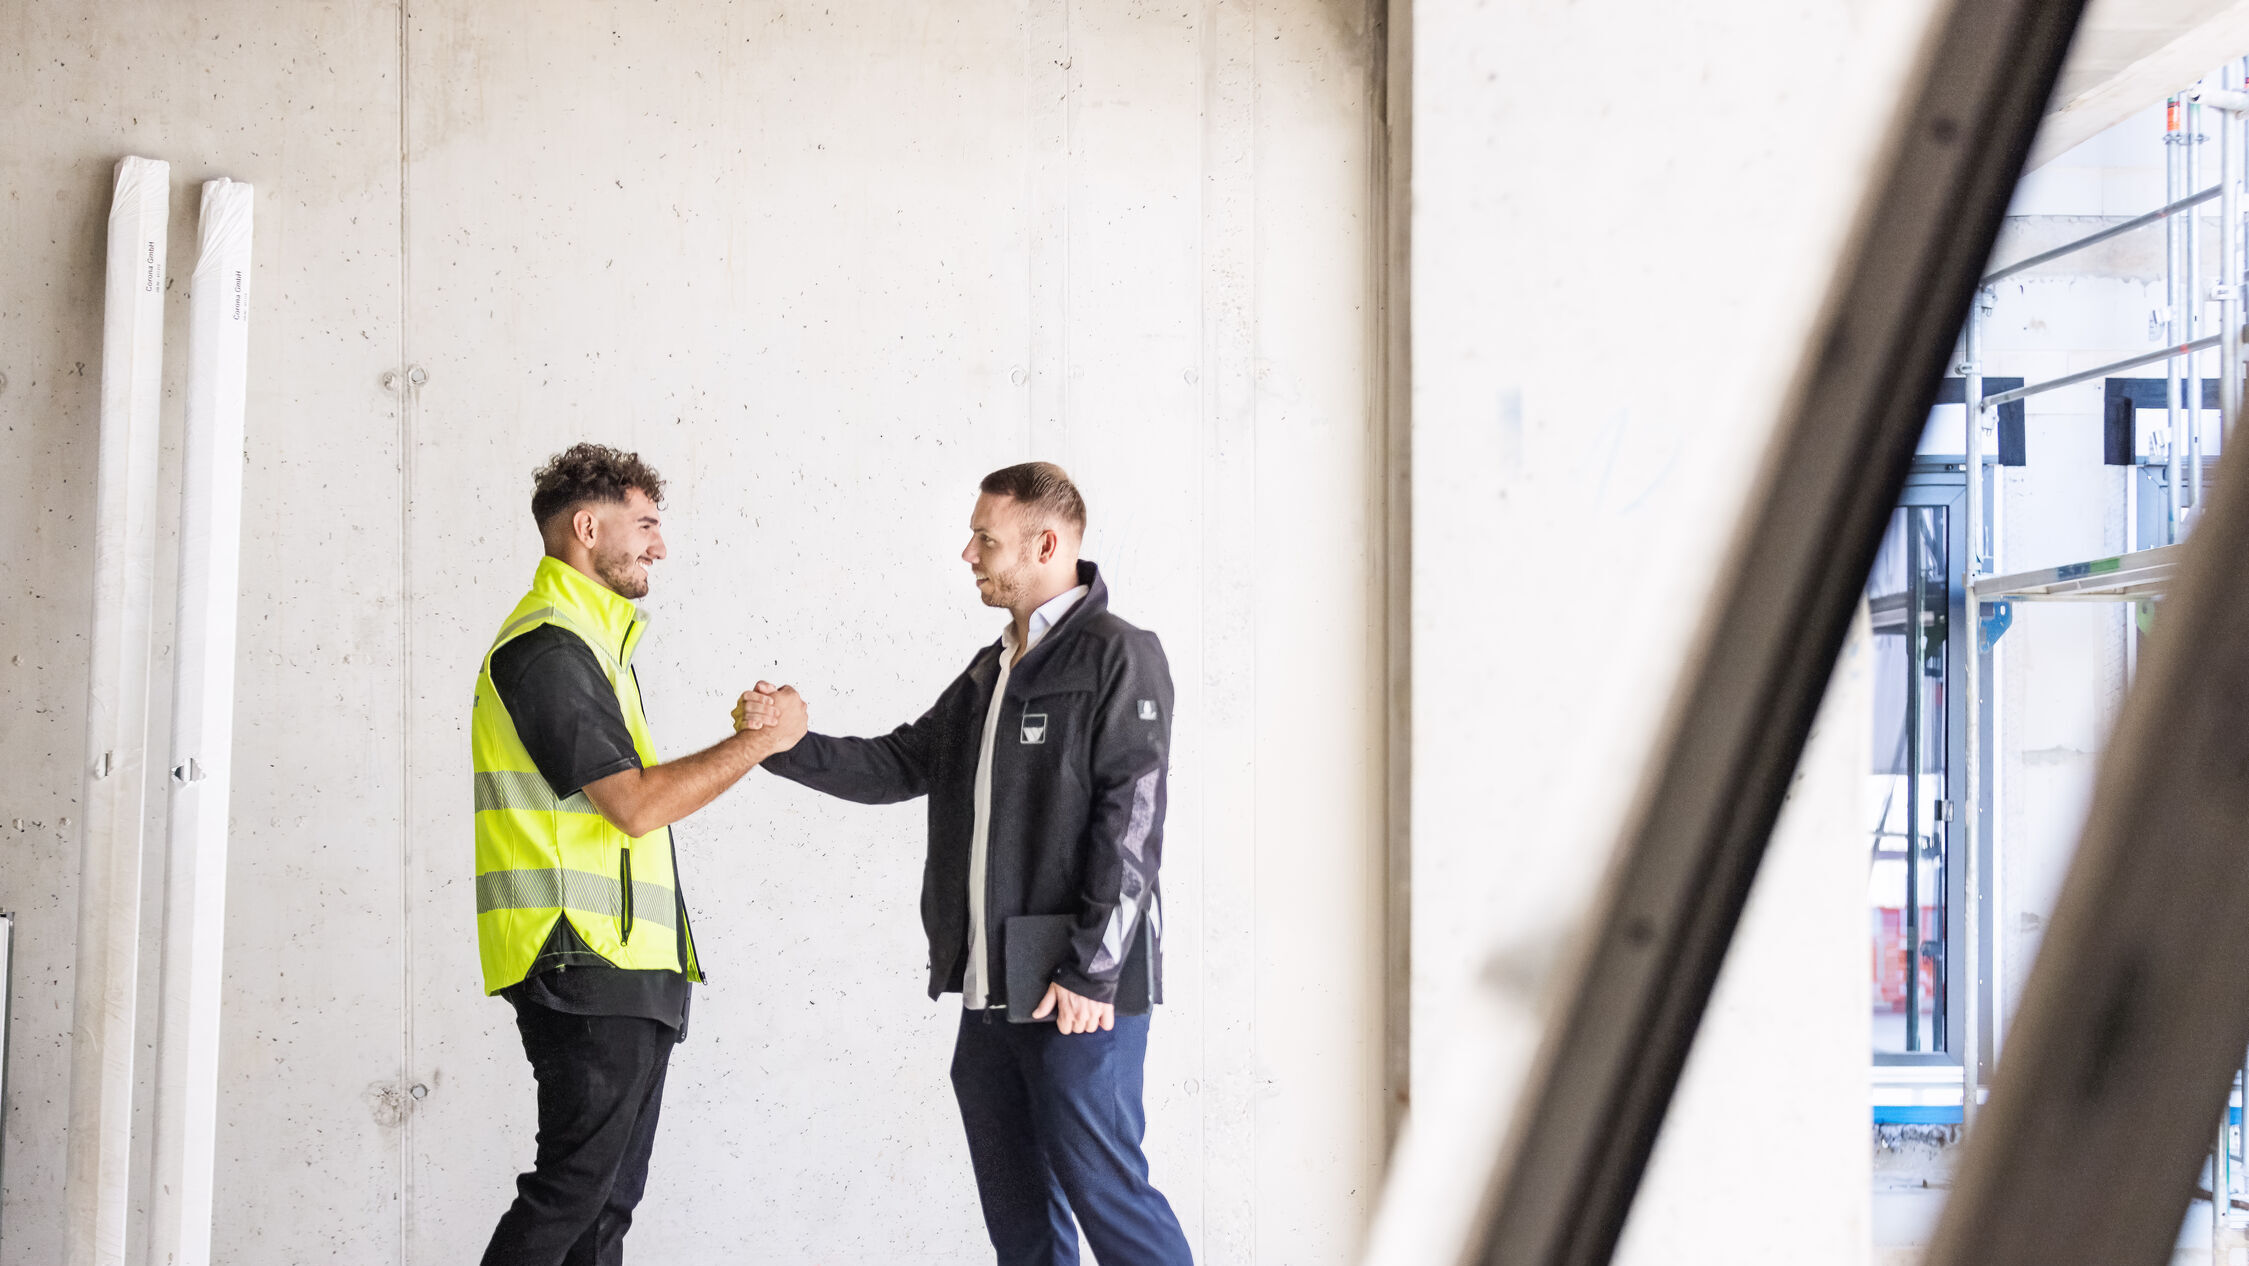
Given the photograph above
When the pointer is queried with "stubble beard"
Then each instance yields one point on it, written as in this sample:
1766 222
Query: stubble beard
615 571
1006 586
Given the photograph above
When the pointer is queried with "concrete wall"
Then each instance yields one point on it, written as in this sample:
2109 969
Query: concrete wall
824 266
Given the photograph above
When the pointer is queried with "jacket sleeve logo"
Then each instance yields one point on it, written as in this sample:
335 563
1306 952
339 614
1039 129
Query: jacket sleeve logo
1034 727
1147 709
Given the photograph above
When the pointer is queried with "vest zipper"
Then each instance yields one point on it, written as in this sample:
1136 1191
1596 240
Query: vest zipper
625 873
690 961
625 854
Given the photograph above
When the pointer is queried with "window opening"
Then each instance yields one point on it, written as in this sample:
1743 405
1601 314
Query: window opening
1910 601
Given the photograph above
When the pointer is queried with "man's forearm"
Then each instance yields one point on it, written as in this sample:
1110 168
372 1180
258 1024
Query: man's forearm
639 801
862 770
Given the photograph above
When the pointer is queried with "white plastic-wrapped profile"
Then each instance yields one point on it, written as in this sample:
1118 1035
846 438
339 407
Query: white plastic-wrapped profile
101 1057
7 1008
218 345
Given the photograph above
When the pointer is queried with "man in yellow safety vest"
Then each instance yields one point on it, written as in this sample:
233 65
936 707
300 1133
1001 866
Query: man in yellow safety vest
579 918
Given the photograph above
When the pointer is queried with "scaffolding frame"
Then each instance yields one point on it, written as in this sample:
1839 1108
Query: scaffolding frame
2132 577
2140 575
2128 1043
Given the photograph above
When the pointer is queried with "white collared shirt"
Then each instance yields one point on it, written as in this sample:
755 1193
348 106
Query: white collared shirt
976 980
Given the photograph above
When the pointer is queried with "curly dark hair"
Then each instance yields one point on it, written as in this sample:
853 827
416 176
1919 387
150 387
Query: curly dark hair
590 472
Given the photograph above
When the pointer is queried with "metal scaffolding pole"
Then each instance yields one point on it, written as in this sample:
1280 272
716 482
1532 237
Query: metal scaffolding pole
2195 297
1971 801
1992 879
2229 101
2174 323
1997 398
2229 259
2230 281
2157 216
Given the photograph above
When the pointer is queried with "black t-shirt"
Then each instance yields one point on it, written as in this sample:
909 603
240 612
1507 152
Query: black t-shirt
566 713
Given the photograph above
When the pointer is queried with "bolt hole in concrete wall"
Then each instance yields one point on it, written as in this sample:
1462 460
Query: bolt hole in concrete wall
824 266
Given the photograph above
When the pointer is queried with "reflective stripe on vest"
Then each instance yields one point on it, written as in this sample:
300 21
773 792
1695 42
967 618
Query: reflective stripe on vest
519 789
576 889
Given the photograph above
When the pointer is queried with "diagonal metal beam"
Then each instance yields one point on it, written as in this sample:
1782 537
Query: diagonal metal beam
1608 1070
2137 1009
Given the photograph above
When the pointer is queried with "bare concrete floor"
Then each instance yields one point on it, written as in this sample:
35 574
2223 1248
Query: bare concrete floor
1905 1220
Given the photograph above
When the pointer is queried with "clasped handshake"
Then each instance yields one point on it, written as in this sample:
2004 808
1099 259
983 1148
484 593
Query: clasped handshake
776 711
778 715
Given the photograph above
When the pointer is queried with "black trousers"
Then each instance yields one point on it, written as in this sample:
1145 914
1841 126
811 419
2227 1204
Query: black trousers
601 1082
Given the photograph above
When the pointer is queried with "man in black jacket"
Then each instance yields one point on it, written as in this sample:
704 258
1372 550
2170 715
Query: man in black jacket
1045 766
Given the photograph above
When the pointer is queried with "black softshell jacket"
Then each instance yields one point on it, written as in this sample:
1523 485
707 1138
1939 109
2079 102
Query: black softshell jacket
1079 766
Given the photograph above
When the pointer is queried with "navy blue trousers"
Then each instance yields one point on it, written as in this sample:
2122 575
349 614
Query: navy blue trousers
1054 1129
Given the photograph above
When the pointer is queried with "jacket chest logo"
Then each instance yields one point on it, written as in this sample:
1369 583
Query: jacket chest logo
1034 727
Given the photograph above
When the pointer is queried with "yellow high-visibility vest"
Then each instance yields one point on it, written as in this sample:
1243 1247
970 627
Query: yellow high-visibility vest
540 858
